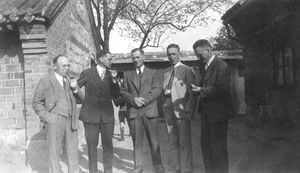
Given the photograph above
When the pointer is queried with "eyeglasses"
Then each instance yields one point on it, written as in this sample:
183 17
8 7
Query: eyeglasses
66 65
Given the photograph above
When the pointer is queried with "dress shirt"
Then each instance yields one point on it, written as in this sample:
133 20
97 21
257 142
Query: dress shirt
141 68
101 71
208 63
60 79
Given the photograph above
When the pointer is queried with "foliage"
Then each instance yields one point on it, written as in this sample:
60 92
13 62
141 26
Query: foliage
149 21
104 14
223 42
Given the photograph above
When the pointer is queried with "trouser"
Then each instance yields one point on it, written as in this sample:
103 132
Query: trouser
59 129
92 139
139 127
179 131
214 146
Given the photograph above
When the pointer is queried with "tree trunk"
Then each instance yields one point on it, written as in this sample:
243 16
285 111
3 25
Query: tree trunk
144 40
93 26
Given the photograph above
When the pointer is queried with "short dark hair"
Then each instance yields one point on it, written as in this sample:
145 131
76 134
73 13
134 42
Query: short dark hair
202 43
173 46
55 59
137 49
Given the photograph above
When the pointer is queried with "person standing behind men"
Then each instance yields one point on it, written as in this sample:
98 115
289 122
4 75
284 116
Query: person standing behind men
178 109
97 113
54 101
141 90
213 88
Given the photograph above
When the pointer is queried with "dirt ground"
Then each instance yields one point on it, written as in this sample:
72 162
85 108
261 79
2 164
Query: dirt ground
13 152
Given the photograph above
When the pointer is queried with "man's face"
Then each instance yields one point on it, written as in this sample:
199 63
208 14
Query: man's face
137 59
106 60
173 55
62 66
203 54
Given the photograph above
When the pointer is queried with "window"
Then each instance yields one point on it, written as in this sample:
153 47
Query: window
285 73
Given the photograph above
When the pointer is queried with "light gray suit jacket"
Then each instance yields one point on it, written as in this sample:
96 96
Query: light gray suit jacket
46 96
183 100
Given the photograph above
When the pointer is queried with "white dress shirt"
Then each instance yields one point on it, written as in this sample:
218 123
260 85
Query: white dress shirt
60 79
209 62
101 70
141 68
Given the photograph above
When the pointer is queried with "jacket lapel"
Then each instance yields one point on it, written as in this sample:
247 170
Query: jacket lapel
96 77
210 69
167 77
144 75
135 80
55 83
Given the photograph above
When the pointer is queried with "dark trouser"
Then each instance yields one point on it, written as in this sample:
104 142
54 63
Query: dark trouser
139 127
179 131
92 139
214 146
59 129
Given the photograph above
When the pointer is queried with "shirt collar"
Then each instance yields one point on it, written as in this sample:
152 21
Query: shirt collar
100 68
59 78
209 62
177 64
141 68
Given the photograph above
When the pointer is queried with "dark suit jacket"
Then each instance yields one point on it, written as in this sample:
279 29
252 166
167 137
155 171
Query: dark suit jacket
150 90
215 100
97 103
46 96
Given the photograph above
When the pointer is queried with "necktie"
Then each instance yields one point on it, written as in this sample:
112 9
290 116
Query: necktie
64 83
102 75
139 72
169 86
67 95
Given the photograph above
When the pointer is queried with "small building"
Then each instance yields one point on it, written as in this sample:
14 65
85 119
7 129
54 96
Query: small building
269 32
32 32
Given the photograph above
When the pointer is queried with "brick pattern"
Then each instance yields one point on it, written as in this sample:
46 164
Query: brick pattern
70 35
11 77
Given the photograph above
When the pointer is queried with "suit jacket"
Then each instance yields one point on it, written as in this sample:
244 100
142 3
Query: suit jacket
149 89
215 100
97 104
46 97
181 94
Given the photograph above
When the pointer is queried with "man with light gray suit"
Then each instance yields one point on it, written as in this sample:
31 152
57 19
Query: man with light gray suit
178 109
54 101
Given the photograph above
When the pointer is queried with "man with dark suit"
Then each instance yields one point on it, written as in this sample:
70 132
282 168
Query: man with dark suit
141 90
213 88
178 109
97 111
55 103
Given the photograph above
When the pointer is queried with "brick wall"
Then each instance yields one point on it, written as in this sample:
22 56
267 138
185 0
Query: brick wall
36 45
70 34
11 78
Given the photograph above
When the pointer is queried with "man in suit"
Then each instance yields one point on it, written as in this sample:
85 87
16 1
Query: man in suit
97 113
178 109
141 90
213 88
55 103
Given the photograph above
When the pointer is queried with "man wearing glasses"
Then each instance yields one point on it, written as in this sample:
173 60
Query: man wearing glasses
54 101
215 106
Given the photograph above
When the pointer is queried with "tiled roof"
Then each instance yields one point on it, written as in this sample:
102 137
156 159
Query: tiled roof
18 11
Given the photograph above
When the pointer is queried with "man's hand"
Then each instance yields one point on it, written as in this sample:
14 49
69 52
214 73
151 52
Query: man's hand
139 101
195 88
74 85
